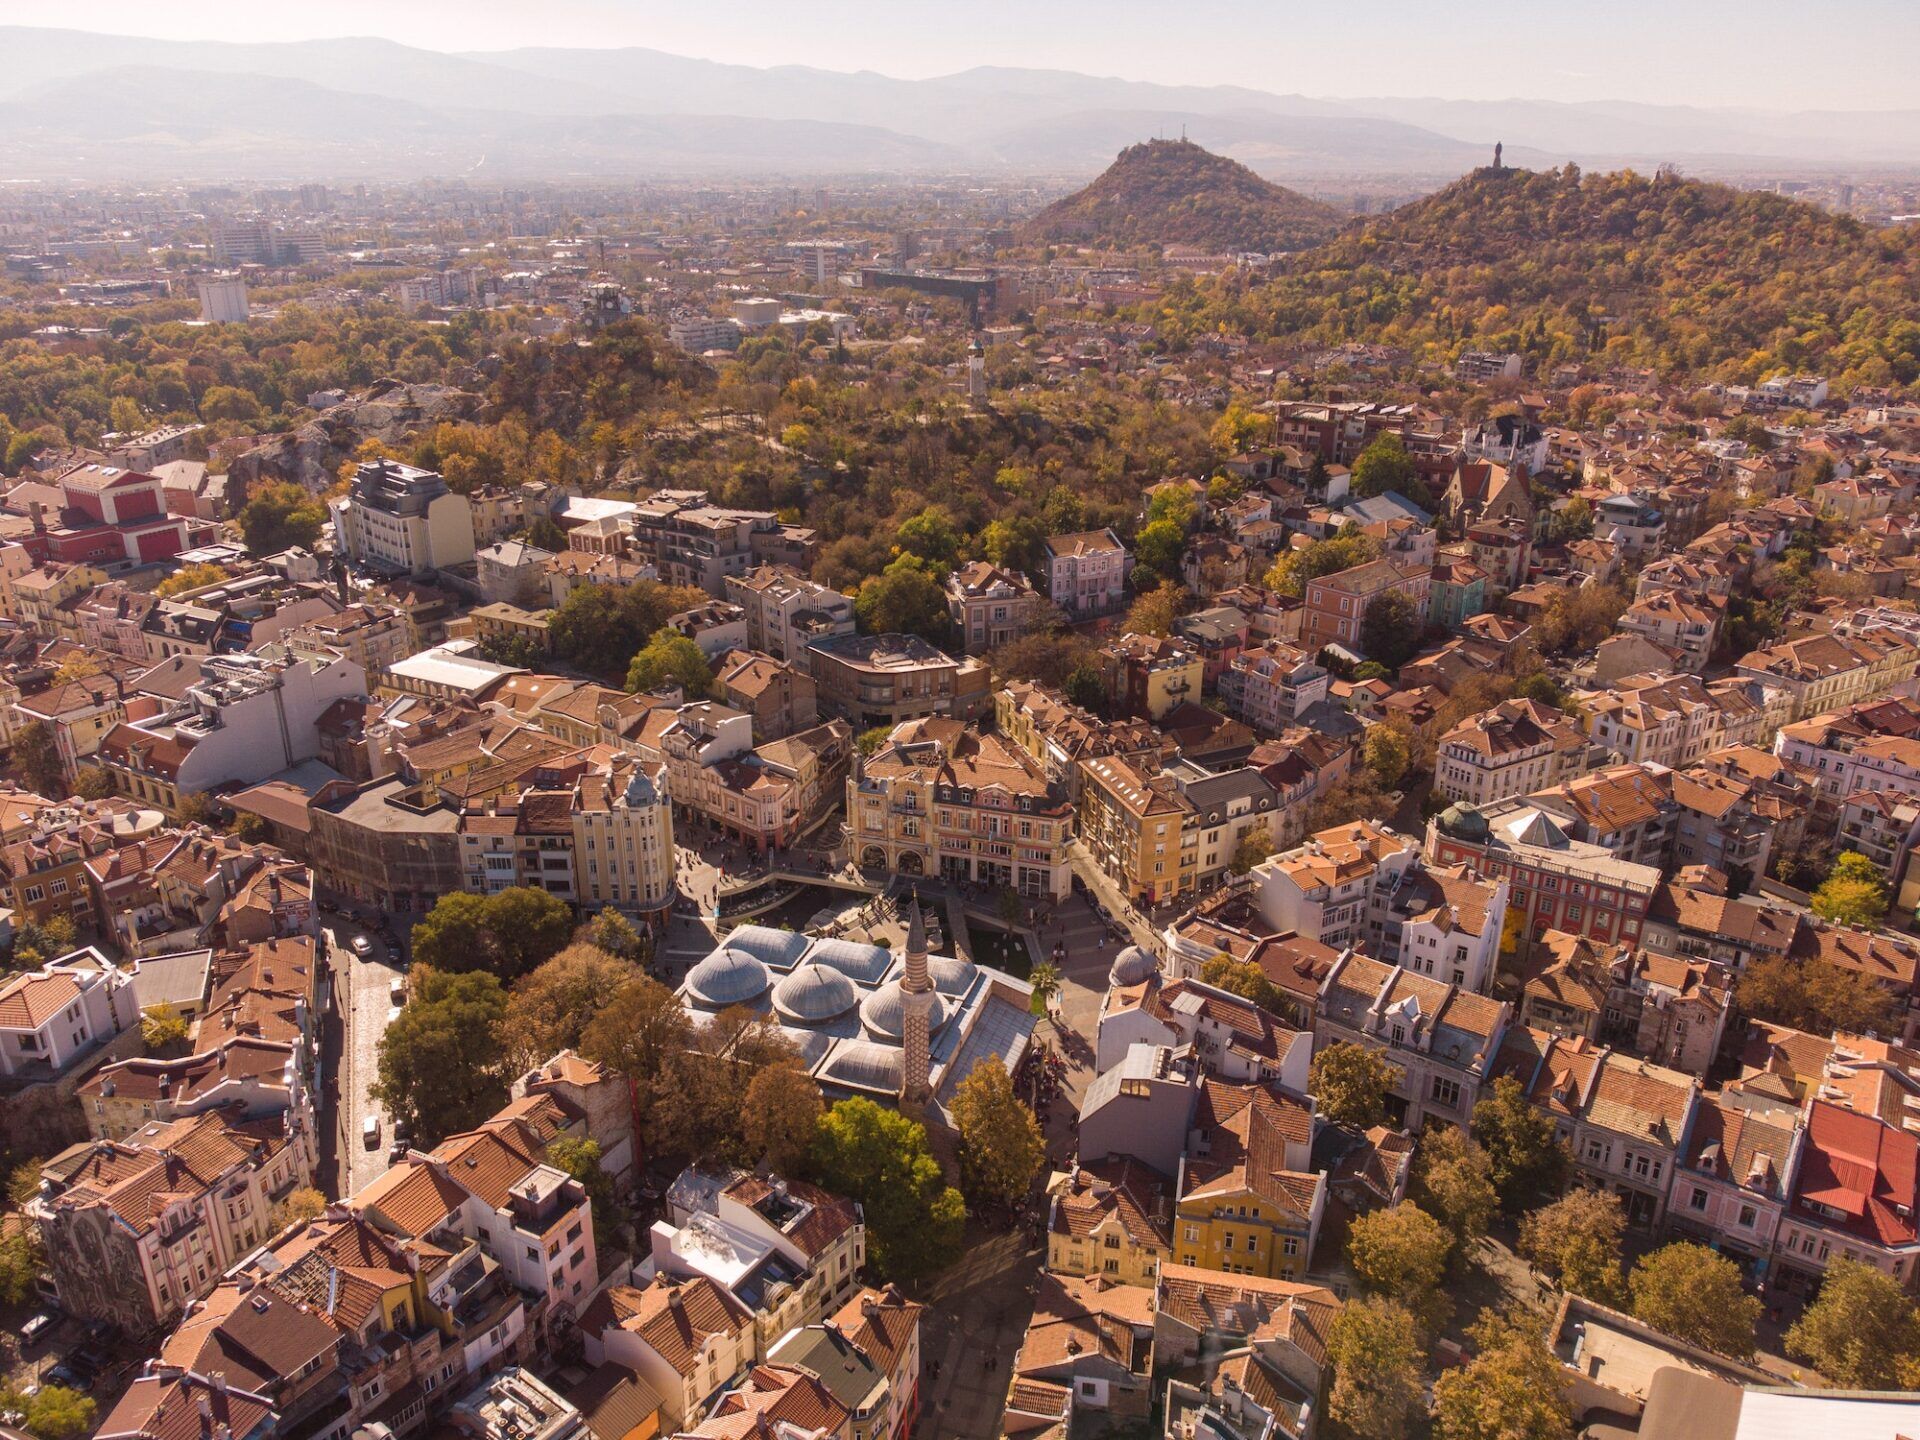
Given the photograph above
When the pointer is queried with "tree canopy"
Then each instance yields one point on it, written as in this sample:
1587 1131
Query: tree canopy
441 1066
879 1157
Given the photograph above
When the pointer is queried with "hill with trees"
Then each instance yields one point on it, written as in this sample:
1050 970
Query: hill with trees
1173 192
1682 276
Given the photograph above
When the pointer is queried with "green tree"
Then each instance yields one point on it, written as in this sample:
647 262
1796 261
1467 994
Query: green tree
904 599
1085 688
1387 754
1245 979
1253 847
442 1070
1861 1332
453 935
1384 467
56 1412
580 1158
550 1007
1855 893
613 933
1576 1242
1001 1147
1378 1358
279 515
1513 1389
1529 1164
1350 1084
1292 571
1238 427
879 1158
781 1117
1015 542
1695 1295
1401 1254
671 657
1453 1180
932 536
1392 629
38 759
21 1261
1158 547
39 941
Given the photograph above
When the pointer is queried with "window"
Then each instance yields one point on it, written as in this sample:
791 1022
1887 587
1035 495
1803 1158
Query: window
1747 1216
1191 1233
1446 1092
1698 1200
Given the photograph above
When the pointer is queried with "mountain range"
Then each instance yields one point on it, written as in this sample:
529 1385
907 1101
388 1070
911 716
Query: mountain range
117 106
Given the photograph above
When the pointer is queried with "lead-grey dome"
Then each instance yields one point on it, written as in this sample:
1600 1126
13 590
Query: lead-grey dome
884 1012
815 994
1132 966
950 974
727 977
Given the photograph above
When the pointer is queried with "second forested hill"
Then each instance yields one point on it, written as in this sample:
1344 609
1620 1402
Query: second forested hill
1173 192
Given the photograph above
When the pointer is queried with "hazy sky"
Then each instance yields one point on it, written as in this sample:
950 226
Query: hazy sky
1828 54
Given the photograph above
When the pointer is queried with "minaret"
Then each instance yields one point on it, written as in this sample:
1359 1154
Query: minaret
916 997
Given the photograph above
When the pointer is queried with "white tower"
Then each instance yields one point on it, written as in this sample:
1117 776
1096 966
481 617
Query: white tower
976 373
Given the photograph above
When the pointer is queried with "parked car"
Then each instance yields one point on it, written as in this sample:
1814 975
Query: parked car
35 1330
370 1132
72 1377
361 946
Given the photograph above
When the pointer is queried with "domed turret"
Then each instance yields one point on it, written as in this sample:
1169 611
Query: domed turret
814 994
1132 966
727 977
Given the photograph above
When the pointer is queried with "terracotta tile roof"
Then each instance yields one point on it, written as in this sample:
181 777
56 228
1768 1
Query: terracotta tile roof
413 1196
675 1320
1647 1102
1247 1307
1123 1188
1863 1168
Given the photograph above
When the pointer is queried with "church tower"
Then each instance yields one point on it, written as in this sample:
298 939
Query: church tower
916 995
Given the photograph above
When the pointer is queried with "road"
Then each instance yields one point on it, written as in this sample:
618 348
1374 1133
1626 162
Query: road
363 999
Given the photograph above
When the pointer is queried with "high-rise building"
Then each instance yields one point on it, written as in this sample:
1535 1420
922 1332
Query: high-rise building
223 299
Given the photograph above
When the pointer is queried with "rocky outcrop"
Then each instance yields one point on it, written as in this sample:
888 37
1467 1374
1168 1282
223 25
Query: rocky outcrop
311 456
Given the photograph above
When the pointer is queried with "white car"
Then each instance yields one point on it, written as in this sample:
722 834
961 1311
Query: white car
361 946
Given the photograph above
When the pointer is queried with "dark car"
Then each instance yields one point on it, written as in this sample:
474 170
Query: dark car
70 1377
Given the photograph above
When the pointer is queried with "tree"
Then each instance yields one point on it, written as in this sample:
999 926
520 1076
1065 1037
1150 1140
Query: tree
279 515
1015 543
38 759
879 1158
1391 629
1292 571
21 1260
54 1413
1386 754
189 577
1528 1162
1385 467
782 1115
1237 428
1695 1295
904 599
698 1105
581 1160
1252 847
1581 619
302 1203
23 1183
1814 995
1158 547
1154 612
94 783
1576 1242
635 1032
508 933
1861 1332
1001 1147
1085 688
670 657
1453 1180
932 536
1401 1253
1350 1084
1245 979
163 1028
550 1007
617 936
1045 980
441 1067
1377 1357
1855 893
1513 1389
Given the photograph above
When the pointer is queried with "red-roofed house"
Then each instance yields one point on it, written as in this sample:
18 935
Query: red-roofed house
1855 1196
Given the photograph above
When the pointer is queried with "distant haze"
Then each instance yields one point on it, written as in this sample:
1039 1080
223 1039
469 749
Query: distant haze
86 104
